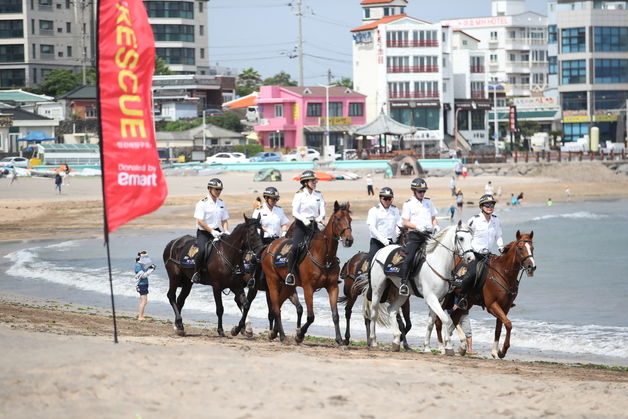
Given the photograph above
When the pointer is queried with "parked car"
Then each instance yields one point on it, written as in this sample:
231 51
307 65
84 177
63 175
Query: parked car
213 112
266 156
297 155
226 158
14 161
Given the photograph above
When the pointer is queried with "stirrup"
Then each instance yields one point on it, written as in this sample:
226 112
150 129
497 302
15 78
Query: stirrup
251 283
463 304
196 278
404 290
290 279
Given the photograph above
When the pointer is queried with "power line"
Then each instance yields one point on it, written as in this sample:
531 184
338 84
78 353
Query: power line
328 59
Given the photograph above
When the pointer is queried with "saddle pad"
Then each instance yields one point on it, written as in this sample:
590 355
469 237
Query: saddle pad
364 266
281 257
394 261
188 257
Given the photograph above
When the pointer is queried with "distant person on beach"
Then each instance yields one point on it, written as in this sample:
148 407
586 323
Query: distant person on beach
369 185
58 182
465 324
488 188
519 198
212 220
458 169
459 202
66 176
465 172
452 212
452 185
143 268
513 200
13 174
568 193
549 202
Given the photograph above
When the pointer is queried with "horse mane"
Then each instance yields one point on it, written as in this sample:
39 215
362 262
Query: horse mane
343 207
438 237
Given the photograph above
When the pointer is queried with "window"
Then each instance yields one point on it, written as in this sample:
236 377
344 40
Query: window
182 9
552 34
356 109
201 30
202 53
611 38
47 51
494 36
417 117
610 99
200 7
525 80
574 101
367 13
34 48
183 33
538 78
68 27
67 4
12 53
573 40
45 4
463 120
33 26
12 77
553 65
11 6
11 29
574 72
278 111
574 131
69 51
45 27
611 71
493 58
513 57
183 56
314 109
388 11
275 139
335 109
477 120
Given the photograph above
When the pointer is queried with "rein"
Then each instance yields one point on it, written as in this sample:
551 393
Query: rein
239 250
519 270
454 252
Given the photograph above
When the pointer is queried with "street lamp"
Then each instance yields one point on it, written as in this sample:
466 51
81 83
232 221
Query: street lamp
495 87
326 145
204 134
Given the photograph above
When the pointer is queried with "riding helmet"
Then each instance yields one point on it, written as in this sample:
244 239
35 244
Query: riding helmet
214 183
386 192
487 199
307 175
418 184
271 192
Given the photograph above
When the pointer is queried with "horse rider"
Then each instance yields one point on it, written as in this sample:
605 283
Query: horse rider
419 216
383 221
308 209
272 218
487 234
212 220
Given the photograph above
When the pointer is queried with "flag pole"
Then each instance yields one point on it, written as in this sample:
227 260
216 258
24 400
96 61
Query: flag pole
102 177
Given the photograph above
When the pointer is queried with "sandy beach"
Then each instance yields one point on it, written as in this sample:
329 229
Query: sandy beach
59 359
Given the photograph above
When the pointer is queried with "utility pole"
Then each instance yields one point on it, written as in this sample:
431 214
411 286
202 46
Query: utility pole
299 14
329 76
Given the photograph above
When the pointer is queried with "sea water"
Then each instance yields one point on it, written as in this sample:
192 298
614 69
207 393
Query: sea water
571 310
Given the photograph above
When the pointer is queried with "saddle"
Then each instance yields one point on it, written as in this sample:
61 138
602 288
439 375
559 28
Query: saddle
394 263
280 258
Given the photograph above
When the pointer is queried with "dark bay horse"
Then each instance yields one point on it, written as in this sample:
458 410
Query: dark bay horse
502 286
319 269
226 255
349 274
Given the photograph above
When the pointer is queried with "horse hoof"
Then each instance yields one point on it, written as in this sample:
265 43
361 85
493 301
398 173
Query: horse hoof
396 347
501 354
248 333
298 338
407 347
235 330
346 342
221 333
282 338
449 352
179 332
462 351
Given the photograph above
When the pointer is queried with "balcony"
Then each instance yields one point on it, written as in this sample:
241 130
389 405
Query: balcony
412 44
477 69
478 94
419 94
412 69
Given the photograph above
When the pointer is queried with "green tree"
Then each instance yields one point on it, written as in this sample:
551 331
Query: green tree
345 82
280 79
248 82
58 82
161 68
230 121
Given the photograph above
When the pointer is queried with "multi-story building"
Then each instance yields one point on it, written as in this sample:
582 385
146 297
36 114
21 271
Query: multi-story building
589 66
516 41
38 36
180 30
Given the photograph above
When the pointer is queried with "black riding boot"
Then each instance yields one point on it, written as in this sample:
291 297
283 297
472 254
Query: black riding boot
202 238
463 276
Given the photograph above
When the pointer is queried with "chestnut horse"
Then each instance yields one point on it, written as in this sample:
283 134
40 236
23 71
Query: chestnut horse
226 254
319 269
502 286
349 275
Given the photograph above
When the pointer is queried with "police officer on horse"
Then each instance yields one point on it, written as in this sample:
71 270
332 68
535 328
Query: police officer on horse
272 218
487 234
419 216
383 221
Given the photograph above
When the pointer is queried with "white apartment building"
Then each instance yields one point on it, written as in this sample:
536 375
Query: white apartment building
516 41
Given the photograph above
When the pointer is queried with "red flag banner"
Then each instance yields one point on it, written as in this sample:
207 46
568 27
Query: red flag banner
134 184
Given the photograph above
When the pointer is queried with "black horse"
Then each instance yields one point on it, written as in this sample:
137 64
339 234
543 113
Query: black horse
224 270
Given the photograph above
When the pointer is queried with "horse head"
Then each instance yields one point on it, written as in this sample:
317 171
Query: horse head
462 241
341 224
252 237
524 248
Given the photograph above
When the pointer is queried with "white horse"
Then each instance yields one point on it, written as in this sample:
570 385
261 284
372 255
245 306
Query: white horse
431 281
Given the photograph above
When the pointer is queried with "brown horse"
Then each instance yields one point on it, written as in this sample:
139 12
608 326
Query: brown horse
319 269
501 287
349 274
224 268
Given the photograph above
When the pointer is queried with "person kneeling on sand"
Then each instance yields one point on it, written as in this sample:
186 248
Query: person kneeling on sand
143 268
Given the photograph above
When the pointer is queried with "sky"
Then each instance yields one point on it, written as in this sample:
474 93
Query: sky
263 34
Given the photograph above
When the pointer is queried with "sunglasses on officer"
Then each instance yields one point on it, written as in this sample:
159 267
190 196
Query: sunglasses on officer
386 198
489 205
273 199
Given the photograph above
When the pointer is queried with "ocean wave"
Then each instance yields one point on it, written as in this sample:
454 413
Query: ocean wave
573 215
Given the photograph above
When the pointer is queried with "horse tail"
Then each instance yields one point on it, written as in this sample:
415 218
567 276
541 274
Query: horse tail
342 299
363 286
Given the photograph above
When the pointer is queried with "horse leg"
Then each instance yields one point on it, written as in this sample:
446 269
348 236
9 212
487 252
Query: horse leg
371 308
348 309
178 320
434 305
431 321
271 315
393 312
294 299
219 310
243 305
332 290
308 294
248 328
497 311
405 309
284 294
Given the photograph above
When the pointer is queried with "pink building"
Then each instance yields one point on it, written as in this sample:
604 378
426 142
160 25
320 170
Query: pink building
293 116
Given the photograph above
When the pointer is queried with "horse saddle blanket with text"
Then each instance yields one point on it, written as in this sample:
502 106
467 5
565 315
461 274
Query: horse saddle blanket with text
189 252
394 263
280 257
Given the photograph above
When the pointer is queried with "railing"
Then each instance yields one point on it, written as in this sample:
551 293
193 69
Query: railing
477 69
411 44
546 156
412 69
477 94
414 94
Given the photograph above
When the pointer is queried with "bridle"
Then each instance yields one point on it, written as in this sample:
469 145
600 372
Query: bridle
239 250
519 269
335 220
528 256
456 251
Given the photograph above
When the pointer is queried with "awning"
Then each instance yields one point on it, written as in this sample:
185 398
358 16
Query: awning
332 128
36 136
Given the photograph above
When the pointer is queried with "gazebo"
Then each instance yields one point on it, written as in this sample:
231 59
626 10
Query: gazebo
383 126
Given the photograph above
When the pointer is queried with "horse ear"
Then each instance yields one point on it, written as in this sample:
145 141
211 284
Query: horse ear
459 223
336 206
518 235
531 234
245 217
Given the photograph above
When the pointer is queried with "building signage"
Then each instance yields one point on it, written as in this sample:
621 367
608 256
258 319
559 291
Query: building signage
512 119
473 104
479 22
363 37
606 118
567 119
534 101
6 121
416 104
336 120
295 111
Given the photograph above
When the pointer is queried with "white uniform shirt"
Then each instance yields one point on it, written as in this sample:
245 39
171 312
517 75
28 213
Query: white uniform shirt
486 234
271 220
419 213
213 213
308 206
383 223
